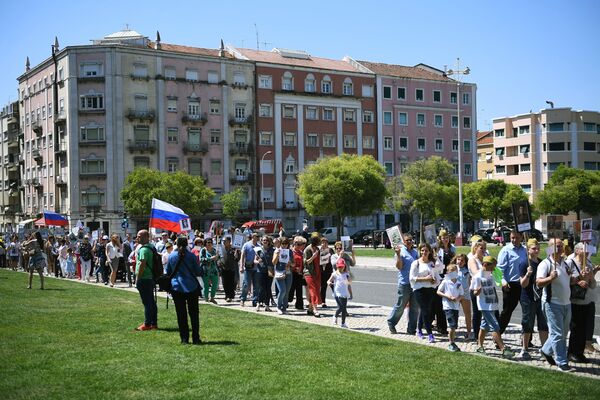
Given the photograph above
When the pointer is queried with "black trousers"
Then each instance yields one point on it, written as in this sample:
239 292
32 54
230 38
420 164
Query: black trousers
579 327
297 283
326 272
228 279
438 313
510 300
187 303
424 298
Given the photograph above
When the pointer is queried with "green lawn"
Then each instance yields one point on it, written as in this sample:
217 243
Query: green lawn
77 341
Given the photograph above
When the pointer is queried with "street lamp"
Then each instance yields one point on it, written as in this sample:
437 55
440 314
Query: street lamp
458 72
262 183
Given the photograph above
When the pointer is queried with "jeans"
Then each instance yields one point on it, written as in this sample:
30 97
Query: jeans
405 295
530 309
264 289
283 286
146 289
510 299
250 277
558 317
424 298
86 267
342 303
187 303
489 322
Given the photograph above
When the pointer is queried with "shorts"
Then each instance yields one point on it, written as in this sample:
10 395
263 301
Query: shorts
452 318
489 322
531 310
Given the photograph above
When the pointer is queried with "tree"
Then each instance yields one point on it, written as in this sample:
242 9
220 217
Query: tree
232 203
429 187
491 199
346 185
180 189
570 189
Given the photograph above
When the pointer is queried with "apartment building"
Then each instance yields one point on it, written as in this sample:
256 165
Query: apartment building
91 114
529 147
485 155
10 179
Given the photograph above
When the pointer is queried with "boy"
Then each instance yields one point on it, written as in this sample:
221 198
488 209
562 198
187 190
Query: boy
452 292
487 300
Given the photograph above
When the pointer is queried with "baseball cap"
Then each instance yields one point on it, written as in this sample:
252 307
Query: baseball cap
105 237
340 263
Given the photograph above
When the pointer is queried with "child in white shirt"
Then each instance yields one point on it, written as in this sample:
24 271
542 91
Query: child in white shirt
341 281
452 292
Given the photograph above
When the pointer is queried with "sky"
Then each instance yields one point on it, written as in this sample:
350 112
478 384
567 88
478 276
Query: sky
520 53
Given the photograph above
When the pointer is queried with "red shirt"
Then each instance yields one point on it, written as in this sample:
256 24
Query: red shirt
298 261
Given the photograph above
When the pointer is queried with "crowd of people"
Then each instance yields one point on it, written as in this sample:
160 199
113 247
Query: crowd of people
434 284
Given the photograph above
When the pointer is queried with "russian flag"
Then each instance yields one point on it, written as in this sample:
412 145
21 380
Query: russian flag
166 216
54 219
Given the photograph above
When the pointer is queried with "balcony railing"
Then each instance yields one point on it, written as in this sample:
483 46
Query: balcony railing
61 116
195 118
233 120
142 145
36 154
236 178
36 125
195 147
60 180
241 148
145 115
35 182
61 147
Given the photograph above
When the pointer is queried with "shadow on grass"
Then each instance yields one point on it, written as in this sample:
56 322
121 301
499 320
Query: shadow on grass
220 343
55 289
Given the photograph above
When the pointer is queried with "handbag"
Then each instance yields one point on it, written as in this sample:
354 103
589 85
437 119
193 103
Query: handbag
279 275
164 281
577 292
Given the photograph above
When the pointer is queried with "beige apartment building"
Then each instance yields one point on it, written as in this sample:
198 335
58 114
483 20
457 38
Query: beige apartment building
485 155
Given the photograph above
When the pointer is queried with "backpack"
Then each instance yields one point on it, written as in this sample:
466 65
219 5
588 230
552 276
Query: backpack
157 267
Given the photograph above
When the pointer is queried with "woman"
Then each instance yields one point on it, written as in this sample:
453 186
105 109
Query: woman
62 256
34 249
114 250
50 258
326 269
297 270
165 254
85 255
582 275
423 279
475 265
282 261
265 273
465 279
445 253
14 249
208 259
312 275
186 290
530 306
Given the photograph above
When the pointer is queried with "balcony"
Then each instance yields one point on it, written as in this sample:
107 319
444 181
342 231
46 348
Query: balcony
195 119
60 180
36 154
36 126
142 145
35 182
11 209
61 148
61 116
91 78
21 158
12 168
92 142
13 139
238 178
240 120
145 115
241 149
195 148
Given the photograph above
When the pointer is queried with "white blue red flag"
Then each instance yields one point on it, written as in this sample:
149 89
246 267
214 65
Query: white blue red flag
166 216
54 219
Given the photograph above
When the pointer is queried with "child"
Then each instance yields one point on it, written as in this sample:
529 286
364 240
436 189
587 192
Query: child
70 263
452 292
483 286
340 280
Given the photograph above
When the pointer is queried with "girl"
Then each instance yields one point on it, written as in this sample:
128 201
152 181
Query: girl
349 259
465 302
423 279
475 265
340 280
70 264
282 260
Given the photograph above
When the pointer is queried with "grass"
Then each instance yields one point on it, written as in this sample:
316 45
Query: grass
77 341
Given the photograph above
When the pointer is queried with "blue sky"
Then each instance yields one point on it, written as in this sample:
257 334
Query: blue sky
521 53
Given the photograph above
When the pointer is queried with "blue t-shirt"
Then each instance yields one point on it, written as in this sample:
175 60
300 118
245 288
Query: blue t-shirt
249 252
510 261
408 256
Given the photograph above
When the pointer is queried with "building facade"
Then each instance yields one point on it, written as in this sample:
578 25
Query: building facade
485 155
10 178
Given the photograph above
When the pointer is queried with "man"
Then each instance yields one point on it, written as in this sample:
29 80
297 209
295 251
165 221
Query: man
404 257
160 245
127 249
511 259
553 275
248 268
227 264
145 282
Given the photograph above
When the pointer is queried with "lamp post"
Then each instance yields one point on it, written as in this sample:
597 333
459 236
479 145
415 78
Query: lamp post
458 72
262 183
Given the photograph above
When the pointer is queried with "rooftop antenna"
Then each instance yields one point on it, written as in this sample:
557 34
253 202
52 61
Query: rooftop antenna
256 30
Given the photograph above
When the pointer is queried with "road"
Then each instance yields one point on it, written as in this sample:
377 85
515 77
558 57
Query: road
378 286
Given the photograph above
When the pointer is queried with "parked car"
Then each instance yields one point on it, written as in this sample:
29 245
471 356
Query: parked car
486 234
536 234
359 236
330 233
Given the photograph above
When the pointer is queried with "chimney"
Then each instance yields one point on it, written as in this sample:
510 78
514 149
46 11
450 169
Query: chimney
27 65
222 49
157 43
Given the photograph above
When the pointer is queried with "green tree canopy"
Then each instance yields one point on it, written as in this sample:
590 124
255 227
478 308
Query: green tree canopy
491 199
180 189
232 203
346 185
570 189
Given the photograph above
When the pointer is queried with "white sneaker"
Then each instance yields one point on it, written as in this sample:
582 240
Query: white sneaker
334 320
279 312
344 326
258 308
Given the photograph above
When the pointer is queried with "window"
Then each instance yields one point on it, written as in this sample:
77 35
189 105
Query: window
499 133
403 167
387 92
215 167
403 143
92 197
238 78
419 95
454 121
90 70
265 82
455 145
312 140
367 116
389 168
556 127
552 166
92 101
525 168
349 141
349 115
310 84
92 166
172 164
266 138
289 111
437 96
290 165
141 162
420 119
589 127
402 118
215 136
191 75
466 122
467 146
140 70
526 188
287 82
524 130
141 133
438 120
266 167
240 111
401 93
214 106
439 145
170 73
556 146
589 146
326 85
591 165
453 97
368 142
388 143
367 91
311 113
524 149
267 194
328 114
171 105
289 139
195 167
172 135
213 77
467 169
387 118
92 133
328 140
465 98
501 169
421 144
348 88
194 108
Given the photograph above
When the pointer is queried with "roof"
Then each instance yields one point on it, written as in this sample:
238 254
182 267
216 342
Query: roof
419 71
124 34
296 58
188 49
485 137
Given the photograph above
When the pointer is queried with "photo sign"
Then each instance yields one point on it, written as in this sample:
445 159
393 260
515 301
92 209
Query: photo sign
522 216
395 235
238 241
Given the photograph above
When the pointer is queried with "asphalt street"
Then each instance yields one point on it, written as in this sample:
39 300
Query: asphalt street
378 286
